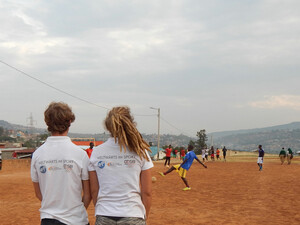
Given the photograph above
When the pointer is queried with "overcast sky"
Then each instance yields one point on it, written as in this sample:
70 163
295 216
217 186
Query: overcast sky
214 65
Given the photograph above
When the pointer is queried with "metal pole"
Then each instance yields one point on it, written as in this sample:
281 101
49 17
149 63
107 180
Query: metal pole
158 136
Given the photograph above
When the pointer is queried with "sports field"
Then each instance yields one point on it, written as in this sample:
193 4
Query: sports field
234 192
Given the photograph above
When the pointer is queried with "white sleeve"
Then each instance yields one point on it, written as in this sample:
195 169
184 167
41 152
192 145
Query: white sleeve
85 172
147 164
34 172
91 165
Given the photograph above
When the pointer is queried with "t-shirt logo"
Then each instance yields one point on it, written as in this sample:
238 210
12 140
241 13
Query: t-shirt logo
43 169
101 164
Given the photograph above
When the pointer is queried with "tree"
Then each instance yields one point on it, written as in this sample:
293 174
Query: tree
1 131
201 142
192 143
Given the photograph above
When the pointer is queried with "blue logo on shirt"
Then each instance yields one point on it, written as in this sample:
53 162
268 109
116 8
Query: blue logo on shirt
43 169
101 164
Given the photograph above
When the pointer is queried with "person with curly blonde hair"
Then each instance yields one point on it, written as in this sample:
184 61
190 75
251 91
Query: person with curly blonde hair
59 171
120 172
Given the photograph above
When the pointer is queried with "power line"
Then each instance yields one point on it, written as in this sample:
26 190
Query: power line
74 96
145 115
55 88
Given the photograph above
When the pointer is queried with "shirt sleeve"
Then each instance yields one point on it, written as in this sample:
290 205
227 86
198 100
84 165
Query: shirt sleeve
85 164
33 172
147 164
91 166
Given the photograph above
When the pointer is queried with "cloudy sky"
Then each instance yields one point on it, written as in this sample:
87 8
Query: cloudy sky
214 65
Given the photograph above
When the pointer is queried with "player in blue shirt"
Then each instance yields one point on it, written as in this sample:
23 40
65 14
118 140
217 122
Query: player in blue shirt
184 166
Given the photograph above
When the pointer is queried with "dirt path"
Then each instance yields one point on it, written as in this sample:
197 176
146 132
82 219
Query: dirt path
225 193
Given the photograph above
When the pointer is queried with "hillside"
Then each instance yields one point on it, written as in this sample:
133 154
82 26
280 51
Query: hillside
165 139
290 126
272 138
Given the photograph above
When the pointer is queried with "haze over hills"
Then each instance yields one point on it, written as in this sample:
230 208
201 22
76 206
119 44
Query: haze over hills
289 126
165 139
272 138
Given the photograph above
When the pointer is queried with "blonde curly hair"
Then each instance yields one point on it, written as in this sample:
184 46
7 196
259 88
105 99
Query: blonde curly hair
119 122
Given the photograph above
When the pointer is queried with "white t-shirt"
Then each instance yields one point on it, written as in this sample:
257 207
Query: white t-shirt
119 180
59 166
203 153
206 151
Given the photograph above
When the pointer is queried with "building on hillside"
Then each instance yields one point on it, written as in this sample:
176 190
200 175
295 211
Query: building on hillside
7 153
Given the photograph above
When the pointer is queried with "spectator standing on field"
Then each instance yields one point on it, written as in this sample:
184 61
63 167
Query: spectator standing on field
212 153
203 155
168 152
218 154
59 172
175 153
206 153
90 149
282 155
289 155
182 153
224 150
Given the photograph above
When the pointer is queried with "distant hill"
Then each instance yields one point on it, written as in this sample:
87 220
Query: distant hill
9 126
165 139
272 138
290 126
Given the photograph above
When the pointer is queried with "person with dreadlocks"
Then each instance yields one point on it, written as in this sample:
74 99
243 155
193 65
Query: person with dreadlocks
120 172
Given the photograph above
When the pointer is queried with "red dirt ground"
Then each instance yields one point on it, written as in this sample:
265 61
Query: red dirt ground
225 193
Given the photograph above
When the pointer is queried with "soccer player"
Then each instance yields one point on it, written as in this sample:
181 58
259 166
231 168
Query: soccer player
184 167
260 159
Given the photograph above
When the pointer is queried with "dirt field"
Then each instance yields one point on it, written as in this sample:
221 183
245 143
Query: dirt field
234 192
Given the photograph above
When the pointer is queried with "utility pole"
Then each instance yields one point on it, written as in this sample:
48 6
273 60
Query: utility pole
158 132
31 122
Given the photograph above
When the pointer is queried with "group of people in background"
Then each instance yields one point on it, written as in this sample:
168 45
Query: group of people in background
205 153
214 154
288 155
169 152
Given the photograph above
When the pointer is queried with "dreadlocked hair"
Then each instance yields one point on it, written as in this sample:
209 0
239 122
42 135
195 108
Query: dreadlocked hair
119 122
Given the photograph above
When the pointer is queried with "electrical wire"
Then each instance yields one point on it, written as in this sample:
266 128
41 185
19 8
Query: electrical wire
55 88
175 127
78 98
